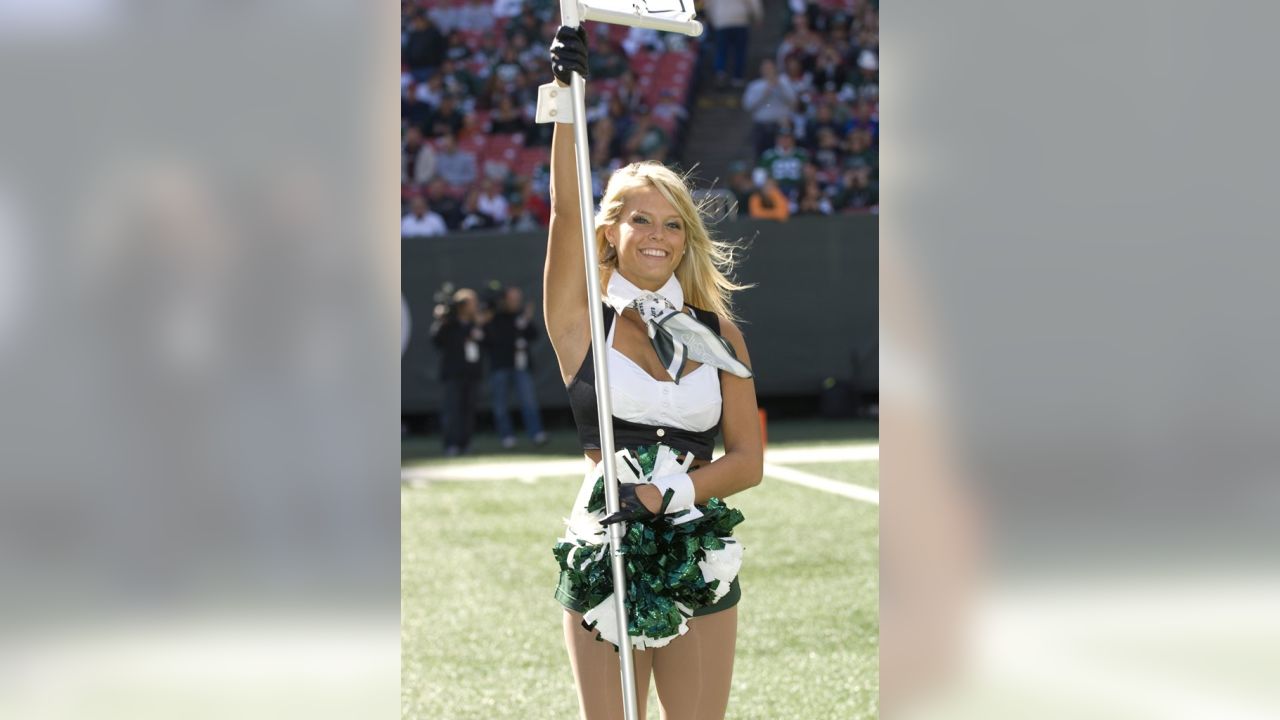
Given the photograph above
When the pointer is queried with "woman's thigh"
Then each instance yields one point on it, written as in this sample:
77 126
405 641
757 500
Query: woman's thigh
597 673
693 673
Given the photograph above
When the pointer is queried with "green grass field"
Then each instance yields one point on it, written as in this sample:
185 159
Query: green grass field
481 634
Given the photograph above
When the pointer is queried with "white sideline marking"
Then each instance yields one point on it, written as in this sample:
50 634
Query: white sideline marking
799 477
522 471
529 472
823 454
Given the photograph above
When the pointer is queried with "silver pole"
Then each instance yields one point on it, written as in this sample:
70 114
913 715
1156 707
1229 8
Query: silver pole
604 401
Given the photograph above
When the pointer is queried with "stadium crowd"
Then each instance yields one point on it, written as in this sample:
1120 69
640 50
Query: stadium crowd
815 115
472 156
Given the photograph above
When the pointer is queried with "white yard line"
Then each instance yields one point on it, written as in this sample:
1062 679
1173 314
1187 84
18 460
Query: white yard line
507 470
809 480
823 454
525 471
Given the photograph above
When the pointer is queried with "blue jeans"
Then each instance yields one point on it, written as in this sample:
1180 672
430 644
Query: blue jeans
500 380
731 43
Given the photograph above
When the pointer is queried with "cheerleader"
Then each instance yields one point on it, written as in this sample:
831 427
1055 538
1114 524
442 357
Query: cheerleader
679 374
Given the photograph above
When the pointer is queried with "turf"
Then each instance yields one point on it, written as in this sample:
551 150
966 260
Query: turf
481 632
866 474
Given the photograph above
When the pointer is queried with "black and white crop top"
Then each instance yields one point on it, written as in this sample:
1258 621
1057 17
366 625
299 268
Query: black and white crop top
645 410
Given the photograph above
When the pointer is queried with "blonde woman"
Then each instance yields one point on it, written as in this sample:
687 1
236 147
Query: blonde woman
679 373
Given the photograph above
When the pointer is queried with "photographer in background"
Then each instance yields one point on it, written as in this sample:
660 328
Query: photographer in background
507 339
458 331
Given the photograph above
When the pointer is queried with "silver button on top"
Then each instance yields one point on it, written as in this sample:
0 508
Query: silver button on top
661 432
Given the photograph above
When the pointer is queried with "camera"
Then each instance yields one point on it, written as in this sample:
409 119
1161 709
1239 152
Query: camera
445 305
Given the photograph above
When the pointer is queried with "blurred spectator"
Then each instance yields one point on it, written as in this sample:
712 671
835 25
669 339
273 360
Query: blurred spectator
528 200
858 151
823 118
785 164
424 46
472 218
491 203
826 154
812 200
507 8
456 166
447 119
527 53
740 183
417 158
505 75
529 208
507 338
801 43
472 129
414 111
420 221
856 190
622 114
430 91
770 100
647 139
508 119
638 39
527 26
444 203
829 72
605 142
628 91
608 60
457 80
801 82
731 20
869 64
768 203
457 331
457 50
866 116
669 109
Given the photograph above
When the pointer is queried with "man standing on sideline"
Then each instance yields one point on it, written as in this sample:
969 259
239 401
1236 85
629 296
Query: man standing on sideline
731 19
457 332
507 339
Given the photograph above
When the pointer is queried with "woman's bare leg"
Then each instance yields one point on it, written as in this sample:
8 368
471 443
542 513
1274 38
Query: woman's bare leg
597 673
694 672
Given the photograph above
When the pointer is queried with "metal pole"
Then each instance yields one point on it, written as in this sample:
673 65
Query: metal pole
569 13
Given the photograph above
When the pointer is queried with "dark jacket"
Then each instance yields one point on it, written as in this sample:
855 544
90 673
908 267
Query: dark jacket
452 337
424 48
507 338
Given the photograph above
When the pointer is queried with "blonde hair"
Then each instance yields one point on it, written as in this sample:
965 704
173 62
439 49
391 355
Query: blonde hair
706 268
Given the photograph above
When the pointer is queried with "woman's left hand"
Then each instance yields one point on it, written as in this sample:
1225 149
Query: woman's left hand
636 501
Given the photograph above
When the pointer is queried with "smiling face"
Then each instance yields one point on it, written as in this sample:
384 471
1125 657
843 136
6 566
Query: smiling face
649 237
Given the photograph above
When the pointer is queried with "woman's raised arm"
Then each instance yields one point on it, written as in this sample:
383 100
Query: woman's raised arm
564 276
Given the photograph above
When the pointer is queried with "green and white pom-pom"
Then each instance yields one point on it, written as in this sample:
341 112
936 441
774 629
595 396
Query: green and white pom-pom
676 564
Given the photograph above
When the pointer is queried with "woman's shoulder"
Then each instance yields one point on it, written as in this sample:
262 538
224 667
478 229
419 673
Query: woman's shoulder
722 325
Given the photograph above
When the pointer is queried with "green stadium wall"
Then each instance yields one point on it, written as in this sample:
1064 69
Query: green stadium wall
811 317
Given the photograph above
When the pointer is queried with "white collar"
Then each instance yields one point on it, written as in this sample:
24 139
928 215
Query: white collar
622 292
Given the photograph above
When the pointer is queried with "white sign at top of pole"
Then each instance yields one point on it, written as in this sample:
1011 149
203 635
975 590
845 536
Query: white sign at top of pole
665 15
